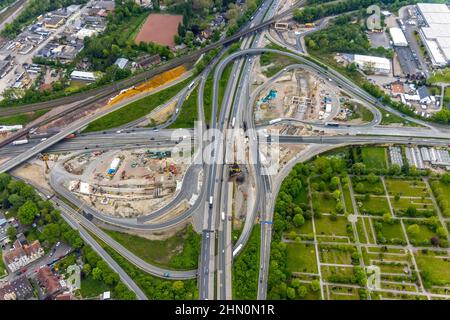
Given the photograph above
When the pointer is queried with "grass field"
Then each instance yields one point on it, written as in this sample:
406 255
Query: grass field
2 265
325 226
375 205
323 205
301 258
178 252
92 288
223 82
343 293
336 274
437 269
347 200
367 187
23 118
374 157
391 232
442 76
136 109
424 207
423 237
360 230
335 255
409 188
188 113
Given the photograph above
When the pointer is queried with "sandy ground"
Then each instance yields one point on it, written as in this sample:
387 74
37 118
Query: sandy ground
34 171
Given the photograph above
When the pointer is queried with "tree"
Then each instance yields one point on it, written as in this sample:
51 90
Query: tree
387 218
359 168
372 178
334 183
290 292
397 197
97 273
442 233
414 230
315 285
302 291
51 233
28 212
395 170
11 232
87 269
298 220
339 207
445 178
411 211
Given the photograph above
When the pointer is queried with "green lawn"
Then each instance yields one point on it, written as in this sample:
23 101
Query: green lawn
446 97
367 187
325 226
361 112
347 200
335 255
223 82
23 118
337 274
188 113
437 270
423 237
179 252
360 230
301 257
2 265
136 109
408 188
374 157
343 293
92 288
375 205
424 207
392 232
440 76
323 204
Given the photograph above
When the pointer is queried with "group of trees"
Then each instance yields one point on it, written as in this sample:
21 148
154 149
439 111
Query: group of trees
156 288
291 210
246 269
441 193
34 9
21 200
313 12
97 268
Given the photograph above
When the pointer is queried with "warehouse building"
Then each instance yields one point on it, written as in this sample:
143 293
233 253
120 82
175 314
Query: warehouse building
82 75
398 37
373 64
435 35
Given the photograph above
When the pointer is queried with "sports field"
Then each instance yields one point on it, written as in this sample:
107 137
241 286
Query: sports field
160 29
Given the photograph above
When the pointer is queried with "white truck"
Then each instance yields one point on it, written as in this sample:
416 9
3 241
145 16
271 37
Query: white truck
19 142
210 202
223 216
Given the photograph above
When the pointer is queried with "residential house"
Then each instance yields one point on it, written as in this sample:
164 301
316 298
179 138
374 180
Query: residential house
48 282
21 255
17 289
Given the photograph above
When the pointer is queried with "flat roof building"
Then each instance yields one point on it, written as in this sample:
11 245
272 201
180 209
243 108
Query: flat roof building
371 63
435 34
82 75
398 37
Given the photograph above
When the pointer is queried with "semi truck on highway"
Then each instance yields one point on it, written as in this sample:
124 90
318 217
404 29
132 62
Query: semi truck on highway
233 122
223 216
19 142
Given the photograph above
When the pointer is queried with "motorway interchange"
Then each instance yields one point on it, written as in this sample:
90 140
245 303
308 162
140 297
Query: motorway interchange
213 204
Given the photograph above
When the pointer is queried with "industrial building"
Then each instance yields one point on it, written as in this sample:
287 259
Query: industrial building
82 75
398 37
373 64
435 33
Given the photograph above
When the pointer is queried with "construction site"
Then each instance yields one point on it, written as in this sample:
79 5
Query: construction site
127 183
297 94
